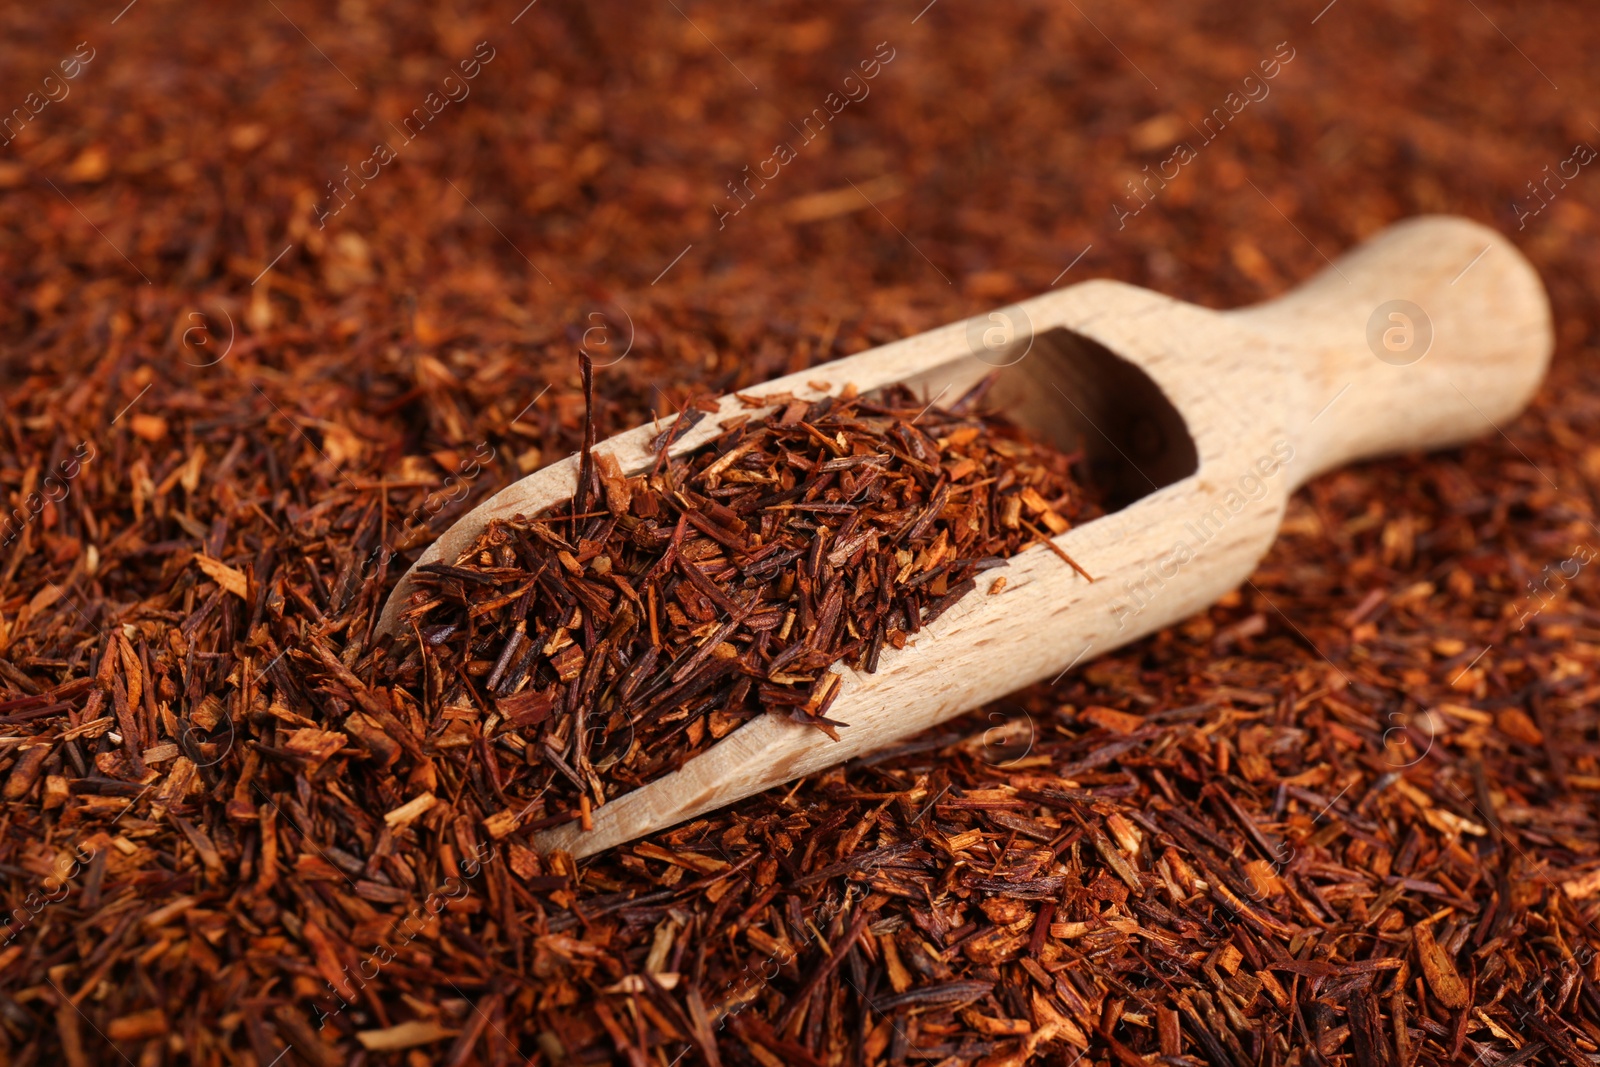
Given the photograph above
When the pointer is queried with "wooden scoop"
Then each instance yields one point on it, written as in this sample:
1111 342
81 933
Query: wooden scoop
1200 422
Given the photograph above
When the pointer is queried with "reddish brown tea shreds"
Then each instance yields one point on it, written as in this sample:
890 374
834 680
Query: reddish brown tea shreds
618 635
1413 663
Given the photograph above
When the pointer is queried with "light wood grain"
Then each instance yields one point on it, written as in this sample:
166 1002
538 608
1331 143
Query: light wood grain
1270 395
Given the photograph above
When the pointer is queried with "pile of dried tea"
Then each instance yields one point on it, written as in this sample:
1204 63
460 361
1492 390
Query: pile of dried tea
1345 817
614 637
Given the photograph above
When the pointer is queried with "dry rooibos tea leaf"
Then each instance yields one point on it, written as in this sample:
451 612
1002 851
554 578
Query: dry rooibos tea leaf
616 636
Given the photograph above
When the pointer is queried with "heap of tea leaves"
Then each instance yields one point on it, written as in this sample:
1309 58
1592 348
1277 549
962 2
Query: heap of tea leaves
617 635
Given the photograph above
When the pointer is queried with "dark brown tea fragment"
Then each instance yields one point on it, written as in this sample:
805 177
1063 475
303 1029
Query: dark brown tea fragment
617 635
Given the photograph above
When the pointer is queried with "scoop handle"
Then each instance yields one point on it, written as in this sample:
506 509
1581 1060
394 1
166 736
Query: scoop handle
1428 334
